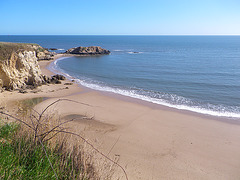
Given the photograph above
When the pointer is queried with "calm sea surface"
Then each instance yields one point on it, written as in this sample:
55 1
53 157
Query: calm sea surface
196 73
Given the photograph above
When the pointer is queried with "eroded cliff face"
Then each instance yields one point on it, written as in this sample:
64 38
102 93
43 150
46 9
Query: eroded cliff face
20 70
18 66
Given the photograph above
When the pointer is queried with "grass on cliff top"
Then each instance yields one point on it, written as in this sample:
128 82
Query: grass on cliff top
7 48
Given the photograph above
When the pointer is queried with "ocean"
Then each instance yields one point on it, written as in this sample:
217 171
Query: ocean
196 73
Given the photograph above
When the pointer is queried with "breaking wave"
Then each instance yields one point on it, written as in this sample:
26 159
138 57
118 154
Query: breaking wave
166 99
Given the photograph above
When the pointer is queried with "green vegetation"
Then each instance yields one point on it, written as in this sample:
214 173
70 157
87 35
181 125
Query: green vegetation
40 49
7 131
41 147
25 106
22 158
30 103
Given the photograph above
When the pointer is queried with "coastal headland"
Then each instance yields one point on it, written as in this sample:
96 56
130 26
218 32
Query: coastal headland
150 141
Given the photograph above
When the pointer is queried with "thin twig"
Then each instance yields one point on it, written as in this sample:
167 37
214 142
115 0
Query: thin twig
17 119
59 131
38 139
47 157
57 102
113 146
32 120
46 133
67 132
34 110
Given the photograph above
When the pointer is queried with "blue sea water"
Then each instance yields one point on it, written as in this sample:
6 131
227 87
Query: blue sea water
196 73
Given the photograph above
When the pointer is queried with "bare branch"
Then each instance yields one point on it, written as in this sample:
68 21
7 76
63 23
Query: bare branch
34 110
17 119
41 138
113 145
58 131
48 158
59 101
46 133
32 120
67 132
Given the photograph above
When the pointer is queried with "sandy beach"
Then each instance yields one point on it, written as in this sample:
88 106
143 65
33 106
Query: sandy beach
151 142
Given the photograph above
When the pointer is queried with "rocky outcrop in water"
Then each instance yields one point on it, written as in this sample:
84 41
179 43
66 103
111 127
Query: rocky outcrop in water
92 50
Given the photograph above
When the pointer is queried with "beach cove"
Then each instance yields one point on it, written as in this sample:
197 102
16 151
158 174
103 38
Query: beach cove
152 142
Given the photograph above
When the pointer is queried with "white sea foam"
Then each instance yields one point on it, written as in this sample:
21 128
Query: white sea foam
54 68
60 49
127 51
134 52
132 93
220 112
117 50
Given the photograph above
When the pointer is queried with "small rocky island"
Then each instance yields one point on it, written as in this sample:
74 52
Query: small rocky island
91 50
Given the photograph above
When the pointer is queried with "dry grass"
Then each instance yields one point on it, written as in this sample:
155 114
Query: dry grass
8 48
45 128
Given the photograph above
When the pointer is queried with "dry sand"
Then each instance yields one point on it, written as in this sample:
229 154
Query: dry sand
152 142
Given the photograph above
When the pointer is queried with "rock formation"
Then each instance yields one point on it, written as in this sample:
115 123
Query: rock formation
55 79
92 50
45 55
19 67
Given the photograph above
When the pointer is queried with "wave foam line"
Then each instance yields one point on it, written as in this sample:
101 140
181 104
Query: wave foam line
130 93
53 67
160 101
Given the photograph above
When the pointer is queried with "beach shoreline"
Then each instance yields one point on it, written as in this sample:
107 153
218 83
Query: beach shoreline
151 141
45 67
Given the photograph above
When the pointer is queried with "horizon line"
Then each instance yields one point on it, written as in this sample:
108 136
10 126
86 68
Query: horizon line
119 34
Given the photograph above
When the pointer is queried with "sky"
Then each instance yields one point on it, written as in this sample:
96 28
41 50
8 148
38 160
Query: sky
120 17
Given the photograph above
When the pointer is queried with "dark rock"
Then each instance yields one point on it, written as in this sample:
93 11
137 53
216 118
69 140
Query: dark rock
58 82
92 50
55 79
31 86
32 83
68 83
46 79
53 49
58 77
36 91
22 91
52 54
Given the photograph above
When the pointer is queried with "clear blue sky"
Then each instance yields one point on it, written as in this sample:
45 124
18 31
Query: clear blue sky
120 17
